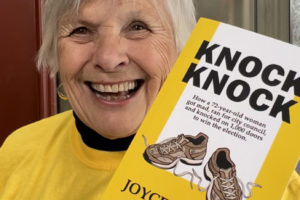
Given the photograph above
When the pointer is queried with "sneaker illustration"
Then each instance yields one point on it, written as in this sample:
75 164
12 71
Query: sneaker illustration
220 170
189 149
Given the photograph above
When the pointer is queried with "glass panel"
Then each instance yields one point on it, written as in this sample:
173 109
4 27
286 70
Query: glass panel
235 12
273 17
295 32
295 22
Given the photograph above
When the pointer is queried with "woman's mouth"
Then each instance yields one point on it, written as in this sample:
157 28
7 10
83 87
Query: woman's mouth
116 91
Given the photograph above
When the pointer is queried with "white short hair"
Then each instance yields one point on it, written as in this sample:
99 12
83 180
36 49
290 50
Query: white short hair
182 15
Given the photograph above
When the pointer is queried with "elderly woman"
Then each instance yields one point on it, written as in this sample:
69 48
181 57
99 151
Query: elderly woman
113 57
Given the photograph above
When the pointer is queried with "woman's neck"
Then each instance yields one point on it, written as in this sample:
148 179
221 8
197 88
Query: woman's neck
94 140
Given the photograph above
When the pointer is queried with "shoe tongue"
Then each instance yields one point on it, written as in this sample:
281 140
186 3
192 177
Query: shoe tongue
226 173
181 138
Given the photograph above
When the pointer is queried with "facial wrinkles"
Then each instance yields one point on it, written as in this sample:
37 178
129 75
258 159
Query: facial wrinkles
79 105
162 29
66 23
70 82
147 4
161 46
159 29
64 30
161 11
139 9
67 78
164 49
159 40
89 16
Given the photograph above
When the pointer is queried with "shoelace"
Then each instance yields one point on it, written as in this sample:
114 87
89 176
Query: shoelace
230 195
183 174
249 185
170 146
192 177
145 141
227 184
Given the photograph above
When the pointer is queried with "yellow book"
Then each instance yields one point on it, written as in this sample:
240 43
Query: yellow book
225 125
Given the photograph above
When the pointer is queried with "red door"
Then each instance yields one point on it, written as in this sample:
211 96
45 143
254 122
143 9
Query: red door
25 94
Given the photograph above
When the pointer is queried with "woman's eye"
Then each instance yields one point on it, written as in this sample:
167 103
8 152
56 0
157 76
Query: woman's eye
137 30
138 26
80 31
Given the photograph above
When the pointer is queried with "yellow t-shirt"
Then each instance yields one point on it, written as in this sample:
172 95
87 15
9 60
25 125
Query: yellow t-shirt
293 190
47 160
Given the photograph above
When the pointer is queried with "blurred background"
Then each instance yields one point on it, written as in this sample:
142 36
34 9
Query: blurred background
28 95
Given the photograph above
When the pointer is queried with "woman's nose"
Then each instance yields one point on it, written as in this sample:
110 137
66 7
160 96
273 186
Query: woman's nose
110 54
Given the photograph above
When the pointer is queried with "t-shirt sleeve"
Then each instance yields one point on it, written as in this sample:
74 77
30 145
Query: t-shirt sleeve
292 191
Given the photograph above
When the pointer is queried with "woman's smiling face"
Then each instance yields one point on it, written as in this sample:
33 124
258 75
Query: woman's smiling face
113 58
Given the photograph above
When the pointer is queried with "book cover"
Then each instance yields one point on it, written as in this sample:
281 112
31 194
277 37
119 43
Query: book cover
225 124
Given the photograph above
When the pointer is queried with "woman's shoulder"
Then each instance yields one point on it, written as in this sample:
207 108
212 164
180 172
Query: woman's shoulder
292 191
37 132
29 146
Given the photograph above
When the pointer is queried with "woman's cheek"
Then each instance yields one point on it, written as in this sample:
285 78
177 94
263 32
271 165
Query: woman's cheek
166 53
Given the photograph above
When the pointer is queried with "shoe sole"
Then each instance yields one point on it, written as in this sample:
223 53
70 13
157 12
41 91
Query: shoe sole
191 162
169 166
173 164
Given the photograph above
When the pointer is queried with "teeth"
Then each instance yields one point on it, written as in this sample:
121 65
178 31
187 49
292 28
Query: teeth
108 98
126 86
101 88
131 85
115 88
107 88
121 88
114 98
